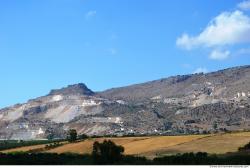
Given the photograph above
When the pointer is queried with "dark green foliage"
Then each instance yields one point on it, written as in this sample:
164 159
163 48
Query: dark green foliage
22 158
215 126
72 135
107 152
82 137
50 136
8 144
53 145
44 159
134 160
203 159
184 159
245 148
96 136
103 136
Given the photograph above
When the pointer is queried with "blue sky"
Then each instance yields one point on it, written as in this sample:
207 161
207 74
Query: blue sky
49 44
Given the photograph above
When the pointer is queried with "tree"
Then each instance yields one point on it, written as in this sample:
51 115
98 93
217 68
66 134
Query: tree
245 148
215 126
72 135
107 152
82 136
50 136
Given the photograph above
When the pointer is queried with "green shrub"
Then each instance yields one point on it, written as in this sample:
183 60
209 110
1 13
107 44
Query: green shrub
245 148
72 135
107 152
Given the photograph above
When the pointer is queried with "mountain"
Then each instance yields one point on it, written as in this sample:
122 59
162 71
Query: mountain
186 104
78 89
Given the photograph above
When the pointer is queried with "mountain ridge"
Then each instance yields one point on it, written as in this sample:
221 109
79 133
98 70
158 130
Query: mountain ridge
173 80
182 104
172 76
79 88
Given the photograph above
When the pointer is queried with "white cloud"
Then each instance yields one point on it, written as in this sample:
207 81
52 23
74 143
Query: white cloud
200 70
186 42
90 14
244 5
228 28
219 55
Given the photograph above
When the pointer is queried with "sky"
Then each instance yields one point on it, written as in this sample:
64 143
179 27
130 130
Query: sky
50 44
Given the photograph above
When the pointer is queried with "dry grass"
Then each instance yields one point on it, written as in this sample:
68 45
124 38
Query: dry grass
132 145
27 148
24 149
159 145
218 144
86 146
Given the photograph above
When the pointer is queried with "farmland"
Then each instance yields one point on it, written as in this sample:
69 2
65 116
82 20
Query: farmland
153 146
132 145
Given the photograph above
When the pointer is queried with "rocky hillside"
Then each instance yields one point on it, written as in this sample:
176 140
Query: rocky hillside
196 103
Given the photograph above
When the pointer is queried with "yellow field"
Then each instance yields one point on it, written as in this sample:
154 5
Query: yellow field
218 144
132 145
159 145
86 146
26 148
23 149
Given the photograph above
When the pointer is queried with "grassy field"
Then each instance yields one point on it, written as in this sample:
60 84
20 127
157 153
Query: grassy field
10 144
218 144
159 145
28 148
23 149
132 145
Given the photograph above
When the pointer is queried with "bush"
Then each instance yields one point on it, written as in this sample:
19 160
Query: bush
53 145
107 152
245 148
82 136
72 135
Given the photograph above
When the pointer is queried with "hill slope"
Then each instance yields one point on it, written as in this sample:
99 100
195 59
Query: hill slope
198 103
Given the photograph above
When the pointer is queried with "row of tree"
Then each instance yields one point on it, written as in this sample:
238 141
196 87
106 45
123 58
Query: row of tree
73 136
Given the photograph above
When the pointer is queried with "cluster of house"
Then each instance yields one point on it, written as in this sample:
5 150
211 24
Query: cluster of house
90 103
242 94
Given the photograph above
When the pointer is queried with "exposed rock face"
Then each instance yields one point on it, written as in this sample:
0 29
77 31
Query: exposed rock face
198 103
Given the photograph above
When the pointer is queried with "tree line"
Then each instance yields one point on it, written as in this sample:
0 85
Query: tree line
109 153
